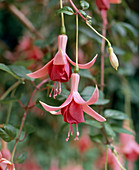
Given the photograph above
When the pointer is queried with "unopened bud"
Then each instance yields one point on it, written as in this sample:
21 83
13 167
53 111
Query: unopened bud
113 59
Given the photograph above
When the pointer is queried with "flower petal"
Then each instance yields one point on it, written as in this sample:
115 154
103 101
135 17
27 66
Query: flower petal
78 99
115 1
41 72
83 66
93 114
55 113
94 97
52 108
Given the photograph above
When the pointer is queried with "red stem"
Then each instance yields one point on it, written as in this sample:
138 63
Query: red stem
102 58
73 5
24 116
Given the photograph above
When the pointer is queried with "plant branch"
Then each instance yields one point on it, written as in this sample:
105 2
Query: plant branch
23 19
10 89
24 117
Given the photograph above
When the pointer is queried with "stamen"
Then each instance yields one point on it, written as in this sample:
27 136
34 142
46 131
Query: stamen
72 130
68 133
77 133
52 90
56 89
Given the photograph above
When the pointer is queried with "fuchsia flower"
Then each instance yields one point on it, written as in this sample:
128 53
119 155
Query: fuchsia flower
59 69
5 164
104 5
113 164
130 147
72 109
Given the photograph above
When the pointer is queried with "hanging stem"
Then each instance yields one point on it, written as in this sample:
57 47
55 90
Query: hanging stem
63 29
76 69
109 44
77 35
62 15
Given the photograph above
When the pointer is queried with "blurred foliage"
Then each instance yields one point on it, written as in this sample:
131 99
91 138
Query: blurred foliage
46 133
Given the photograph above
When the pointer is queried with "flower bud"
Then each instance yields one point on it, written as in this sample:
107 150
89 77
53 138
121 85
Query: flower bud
113 59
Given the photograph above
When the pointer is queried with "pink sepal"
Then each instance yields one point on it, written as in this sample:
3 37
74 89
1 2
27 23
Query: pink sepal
83 66
115 1
55 113
93 114
41 72
78 99
51 108
60 58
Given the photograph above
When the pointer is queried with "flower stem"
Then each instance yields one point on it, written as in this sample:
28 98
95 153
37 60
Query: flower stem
118 161
76 69
62 15
77 35
24 117
10 89
106 158
109 44
63 29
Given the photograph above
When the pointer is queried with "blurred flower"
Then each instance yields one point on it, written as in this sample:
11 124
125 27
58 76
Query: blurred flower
5 151
129 147
58 68
5 164
72 109
111 161
103 6
113 59
31 51
84 144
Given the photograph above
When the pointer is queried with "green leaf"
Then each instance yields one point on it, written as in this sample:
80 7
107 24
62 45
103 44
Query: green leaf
84 5
102 102
86 74
21 71
8 70
83 13
10 130
109 130
121 130
97 138
21 158
93 123
115 114
8 133
66 10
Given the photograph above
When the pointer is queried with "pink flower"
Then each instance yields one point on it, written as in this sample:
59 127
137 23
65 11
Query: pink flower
72 109
111 161
59 69
5 164
103 6
130 147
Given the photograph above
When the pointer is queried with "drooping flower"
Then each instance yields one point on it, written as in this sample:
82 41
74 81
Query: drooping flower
6 164
59 69
103 6
5 151
130 147
72 109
